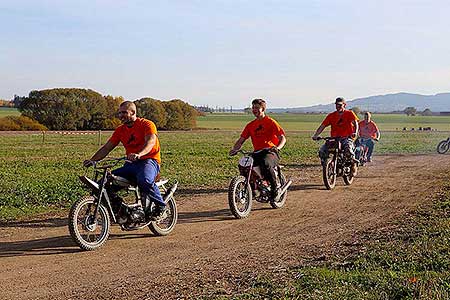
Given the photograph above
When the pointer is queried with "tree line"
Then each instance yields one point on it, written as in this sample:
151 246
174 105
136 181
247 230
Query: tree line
85 109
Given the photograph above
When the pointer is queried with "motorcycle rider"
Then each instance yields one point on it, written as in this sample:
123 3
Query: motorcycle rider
139 136
369 131
266 135
344 124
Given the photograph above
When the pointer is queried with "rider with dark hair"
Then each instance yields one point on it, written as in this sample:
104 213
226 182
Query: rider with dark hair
139 136
266 135
344 124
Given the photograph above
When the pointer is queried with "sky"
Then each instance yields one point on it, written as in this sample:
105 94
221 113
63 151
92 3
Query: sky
228 52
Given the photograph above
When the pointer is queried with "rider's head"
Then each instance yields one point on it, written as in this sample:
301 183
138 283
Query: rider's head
367 116
258 108
340 104
127 112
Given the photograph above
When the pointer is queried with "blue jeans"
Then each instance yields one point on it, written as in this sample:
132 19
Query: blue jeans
369 143
143 172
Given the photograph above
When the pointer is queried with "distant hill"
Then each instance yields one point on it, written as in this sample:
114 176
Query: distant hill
384 103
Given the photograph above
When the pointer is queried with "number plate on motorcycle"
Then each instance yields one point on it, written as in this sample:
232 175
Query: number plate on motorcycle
246 161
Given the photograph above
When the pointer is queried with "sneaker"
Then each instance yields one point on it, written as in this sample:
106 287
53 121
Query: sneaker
369 159
354 169
275 193
158 213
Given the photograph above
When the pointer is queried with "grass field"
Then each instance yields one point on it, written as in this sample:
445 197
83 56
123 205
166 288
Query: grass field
6 111
310 122
39 175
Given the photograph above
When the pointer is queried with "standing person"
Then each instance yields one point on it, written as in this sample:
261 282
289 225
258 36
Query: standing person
268 138
344 124
139 136
368 132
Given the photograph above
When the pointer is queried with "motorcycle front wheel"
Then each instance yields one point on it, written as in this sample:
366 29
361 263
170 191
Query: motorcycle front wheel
239 197
443 147
348 179
87 231
169 220
329 173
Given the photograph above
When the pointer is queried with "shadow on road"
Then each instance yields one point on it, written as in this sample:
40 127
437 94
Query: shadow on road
205 216
49 222
303 187
47 246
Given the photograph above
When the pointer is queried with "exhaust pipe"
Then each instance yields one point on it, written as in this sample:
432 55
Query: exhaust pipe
283 190
170 192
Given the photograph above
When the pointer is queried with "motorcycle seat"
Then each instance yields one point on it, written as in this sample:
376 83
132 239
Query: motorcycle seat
124 182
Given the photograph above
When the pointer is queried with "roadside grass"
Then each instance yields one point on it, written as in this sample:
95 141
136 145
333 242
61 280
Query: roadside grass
42 174
408 260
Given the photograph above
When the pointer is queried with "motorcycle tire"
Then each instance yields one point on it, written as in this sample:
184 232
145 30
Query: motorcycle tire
443 147
167 224
239 197
348 179
329 174
87 233
280 203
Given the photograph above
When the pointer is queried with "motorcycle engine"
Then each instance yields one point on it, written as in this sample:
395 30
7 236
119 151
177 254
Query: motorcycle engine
136 214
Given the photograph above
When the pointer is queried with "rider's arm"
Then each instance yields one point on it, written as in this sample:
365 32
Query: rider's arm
356 129
237 146
149 142
377 135
102 152
282 141
318 131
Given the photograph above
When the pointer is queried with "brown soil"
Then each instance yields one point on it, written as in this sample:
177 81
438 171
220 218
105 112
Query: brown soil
210 252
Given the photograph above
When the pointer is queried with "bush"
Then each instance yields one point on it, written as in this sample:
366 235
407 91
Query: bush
21 123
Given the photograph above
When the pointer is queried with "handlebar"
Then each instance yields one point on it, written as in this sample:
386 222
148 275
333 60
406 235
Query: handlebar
253 152
107 163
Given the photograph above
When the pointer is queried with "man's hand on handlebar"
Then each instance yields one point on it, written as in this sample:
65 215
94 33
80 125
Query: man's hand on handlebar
233 152
87 163
133 156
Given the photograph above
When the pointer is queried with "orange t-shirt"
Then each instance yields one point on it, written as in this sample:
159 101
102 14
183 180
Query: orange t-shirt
264 133
133 138
368 129
341 124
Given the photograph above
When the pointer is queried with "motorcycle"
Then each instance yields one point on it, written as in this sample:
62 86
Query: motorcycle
90 217
361 151
251 184
443 146
336 164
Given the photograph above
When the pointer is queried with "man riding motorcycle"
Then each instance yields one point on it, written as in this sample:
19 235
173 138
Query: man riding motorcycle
266 135
139 137
368 132
344 124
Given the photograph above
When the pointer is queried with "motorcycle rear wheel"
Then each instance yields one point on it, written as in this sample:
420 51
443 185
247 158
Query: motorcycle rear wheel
88 233
239 197
167 224
443 147
328 173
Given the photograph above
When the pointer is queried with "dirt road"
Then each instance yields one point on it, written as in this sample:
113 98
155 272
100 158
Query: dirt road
209 251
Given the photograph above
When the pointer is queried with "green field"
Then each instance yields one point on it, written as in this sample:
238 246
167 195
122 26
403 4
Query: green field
6 111
38 174
310 122
41 172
